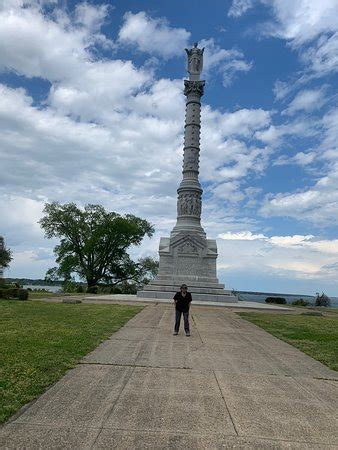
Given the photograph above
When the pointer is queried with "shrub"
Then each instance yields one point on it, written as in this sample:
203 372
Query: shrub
79 289
92 290
278 300
311 313
322 300
115 290
128 288
69 286
4 293
300 302
9 292
23 294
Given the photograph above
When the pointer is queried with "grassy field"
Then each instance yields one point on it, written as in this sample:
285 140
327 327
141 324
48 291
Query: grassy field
40 341
315 336
37 295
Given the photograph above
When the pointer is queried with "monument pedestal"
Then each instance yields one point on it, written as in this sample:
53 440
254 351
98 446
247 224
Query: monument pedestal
190 259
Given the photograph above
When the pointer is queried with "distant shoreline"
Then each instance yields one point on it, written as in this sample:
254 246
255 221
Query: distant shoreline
256 296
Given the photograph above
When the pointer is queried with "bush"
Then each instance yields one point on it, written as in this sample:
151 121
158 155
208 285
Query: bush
311 313
322 300
278 300
69 286
301 302
79 289
115 290
9 292
23 294
92 290
128 288
4 293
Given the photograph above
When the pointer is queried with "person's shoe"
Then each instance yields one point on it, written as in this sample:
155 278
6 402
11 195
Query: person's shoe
175 333
187 334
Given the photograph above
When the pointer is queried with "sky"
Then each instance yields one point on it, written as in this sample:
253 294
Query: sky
92 111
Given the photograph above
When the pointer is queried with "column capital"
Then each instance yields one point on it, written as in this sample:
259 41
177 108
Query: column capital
194 87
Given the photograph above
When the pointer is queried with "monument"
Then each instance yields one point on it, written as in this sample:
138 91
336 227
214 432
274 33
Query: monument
187 256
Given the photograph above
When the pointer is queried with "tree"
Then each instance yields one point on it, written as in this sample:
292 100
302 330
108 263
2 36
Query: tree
322 300
5 257
94 242
148 269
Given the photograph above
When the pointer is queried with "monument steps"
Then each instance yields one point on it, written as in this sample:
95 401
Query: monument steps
193 289
222 297
159 281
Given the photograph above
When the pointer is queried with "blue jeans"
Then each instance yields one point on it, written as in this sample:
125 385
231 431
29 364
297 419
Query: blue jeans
178 321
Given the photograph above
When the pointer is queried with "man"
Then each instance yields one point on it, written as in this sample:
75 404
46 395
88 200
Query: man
182 302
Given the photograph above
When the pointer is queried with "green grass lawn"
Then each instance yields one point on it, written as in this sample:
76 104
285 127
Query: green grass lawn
37 295
40 341
32 295
315 336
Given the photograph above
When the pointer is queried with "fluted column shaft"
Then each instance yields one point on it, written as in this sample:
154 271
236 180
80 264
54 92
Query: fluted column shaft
189 201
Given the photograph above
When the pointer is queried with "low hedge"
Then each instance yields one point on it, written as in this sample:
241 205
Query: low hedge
92 290
278 300
300 302
7 293
23 294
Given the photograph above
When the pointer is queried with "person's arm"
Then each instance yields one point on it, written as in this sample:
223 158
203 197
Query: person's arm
175 298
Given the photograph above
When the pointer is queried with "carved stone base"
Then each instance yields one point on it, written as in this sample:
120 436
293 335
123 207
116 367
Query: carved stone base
191 259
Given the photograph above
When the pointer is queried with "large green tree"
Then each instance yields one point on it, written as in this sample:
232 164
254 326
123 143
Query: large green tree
94 242
5 257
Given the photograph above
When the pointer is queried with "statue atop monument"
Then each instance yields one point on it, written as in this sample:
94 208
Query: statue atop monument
195 61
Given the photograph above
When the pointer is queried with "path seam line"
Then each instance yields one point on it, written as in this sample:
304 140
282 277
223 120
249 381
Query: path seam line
225 403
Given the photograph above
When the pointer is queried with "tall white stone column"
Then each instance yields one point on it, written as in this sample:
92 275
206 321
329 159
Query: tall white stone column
187 256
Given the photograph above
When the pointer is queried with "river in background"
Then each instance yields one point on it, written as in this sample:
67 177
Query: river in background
243 295
261 296
54 289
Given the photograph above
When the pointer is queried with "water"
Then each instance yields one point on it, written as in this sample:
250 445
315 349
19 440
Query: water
261 296
54 289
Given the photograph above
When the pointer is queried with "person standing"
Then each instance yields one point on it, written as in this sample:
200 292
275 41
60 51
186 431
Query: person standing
182 302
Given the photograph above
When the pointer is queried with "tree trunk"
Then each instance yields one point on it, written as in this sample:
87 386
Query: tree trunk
91 282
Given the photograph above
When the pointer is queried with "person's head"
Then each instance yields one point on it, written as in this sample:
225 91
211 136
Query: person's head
184 288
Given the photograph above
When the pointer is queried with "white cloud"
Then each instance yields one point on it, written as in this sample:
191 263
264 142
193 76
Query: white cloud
280 241
302 21
226 62
91 17
275 134
153 36
309 26
241 236
317 204
37 46
307 100
300 158
239 7
288 258
322 58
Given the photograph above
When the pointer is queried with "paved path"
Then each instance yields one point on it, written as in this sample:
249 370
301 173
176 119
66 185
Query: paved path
230 385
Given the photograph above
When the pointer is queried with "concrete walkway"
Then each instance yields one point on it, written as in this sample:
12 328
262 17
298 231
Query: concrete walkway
229 385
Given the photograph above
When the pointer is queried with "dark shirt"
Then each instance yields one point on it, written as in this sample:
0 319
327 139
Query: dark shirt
182 303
